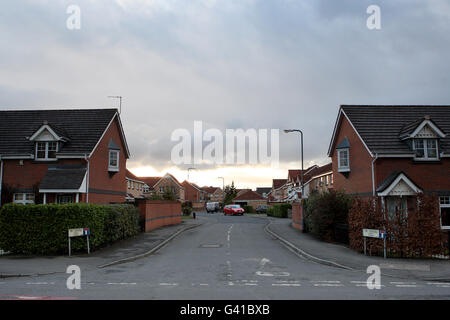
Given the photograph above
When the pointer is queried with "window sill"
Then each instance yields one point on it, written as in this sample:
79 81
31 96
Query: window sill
445 228
344 170
113 169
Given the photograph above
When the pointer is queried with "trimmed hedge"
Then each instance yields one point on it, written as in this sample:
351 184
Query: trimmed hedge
43 229
279 210
248 209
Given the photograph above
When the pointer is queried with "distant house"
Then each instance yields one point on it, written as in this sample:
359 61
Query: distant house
214 194
62 156
193 192
169 182
250 198
393 152
264 191
318 179
149 183
295 176
135 187
278 192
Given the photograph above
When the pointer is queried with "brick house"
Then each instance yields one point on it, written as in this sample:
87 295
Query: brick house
214 194
135 187
250 198
319 179
393 152
264 191
62 156
193 192
170 182
279 191
149 183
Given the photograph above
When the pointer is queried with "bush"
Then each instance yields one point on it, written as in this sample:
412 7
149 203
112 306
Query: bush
186 208
325 212
43 229
248 209
279 210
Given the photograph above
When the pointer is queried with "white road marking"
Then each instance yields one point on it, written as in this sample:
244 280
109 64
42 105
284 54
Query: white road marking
230 283
122 283
204 284
399 282
439 284
286 284
269 274
250 284
40 283
406 286
328 285
325 281
168 284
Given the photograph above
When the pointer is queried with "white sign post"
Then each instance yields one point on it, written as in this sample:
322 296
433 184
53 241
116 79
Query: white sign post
79 232
374 233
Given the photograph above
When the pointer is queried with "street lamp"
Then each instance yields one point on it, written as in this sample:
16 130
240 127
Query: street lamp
301 135
188 172
223 183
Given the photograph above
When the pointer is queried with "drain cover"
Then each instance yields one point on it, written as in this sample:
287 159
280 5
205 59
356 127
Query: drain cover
210 246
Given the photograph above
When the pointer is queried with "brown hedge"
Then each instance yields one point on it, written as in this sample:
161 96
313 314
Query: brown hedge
419 235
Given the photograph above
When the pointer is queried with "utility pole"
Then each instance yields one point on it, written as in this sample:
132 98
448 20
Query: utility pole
120 102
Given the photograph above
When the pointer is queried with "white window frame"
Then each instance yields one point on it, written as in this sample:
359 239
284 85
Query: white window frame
443 205
116 167
425 149
342 168
46 158
23 200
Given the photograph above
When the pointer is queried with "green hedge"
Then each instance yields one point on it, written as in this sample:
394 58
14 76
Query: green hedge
279 210
248 209
42 229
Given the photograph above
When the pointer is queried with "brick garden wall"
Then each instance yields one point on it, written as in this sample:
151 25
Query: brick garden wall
297 215
159 213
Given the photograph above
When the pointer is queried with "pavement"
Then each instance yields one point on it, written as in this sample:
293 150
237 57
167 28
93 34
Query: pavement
123 251
342 256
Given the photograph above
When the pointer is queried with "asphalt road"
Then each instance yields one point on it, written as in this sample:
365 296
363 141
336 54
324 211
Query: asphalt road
229 257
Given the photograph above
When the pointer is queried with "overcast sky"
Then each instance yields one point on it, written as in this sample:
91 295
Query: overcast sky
231 64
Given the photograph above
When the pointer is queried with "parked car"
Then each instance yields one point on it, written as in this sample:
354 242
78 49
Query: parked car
212 207
233 209
262 208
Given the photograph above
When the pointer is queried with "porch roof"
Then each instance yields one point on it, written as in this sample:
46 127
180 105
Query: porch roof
63 178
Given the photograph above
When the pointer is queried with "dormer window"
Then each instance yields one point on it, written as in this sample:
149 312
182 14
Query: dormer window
343 160
343 155
113 160
46 150
426 149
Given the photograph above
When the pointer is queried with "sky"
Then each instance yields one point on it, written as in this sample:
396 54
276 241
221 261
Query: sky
250 64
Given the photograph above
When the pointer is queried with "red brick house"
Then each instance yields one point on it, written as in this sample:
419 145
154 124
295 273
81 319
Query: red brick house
61 156
214 194
193 192
393 152
279 191
319 179
135 187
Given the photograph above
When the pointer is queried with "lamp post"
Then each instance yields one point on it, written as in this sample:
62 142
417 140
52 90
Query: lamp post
188 172
223 183
301 137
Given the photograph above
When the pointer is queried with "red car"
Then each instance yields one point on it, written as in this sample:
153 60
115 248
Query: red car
233 209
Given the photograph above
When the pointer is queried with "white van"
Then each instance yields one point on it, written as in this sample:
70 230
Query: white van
212 207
